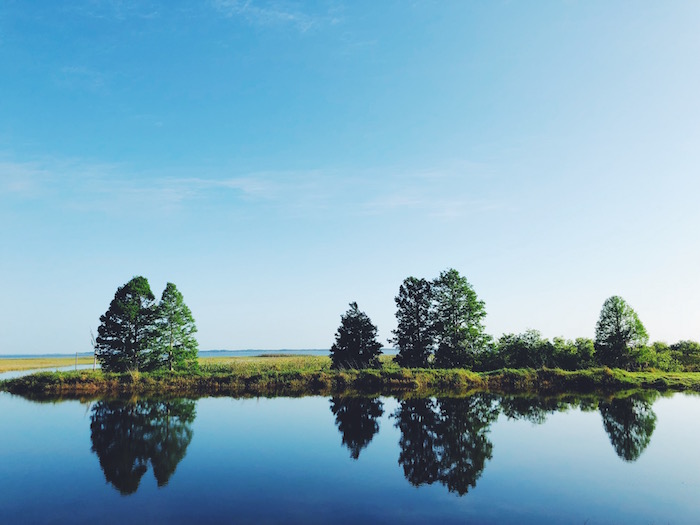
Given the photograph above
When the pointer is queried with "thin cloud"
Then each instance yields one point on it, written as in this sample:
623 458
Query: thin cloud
121 10
113 188
268 13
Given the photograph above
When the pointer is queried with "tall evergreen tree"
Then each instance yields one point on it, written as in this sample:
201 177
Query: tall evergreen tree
356 344
414 336
175 346
458 314
126 330
618 333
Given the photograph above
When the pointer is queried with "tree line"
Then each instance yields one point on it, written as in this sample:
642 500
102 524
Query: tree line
440 324
138 334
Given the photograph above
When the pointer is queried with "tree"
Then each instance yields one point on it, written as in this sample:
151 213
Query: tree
687 354
356 344
175 346
126 330
458 314
415 335
618 333
526 350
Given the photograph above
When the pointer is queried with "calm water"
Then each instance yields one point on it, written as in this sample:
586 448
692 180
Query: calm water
481 459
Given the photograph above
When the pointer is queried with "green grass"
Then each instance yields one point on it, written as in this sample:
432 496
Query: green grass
312 375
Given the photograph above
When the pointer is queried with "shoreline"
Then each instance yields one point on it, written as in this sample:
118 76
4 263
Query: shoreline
370 382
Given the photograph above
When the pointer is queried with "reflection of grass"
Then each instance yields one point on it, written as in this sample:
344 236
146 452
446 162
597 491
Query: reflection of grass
9 365
311 375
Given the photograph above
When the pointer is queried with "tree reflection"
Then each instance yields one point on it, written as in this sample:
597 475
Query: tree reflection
418 421
536 409
356 419
629 423
127 435
446 440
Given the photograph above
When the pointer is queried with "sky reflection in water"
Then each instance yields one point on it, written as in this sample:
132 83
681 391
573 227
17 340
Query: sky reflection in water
481 458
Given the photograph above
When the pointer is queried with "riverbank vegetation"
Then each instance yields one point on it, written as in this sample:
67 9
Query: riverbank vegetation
147 348
313 375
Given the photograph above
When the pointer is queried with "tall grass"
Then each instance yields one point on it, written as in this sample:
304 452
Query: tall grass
312 375
31 363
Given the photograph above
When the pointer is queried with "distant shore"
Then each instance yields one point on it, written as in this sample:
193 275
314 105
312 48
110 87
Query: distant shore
270 376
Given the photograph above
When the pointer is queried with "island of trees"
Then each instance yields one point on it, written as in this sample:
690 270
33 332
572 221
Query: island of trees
149 347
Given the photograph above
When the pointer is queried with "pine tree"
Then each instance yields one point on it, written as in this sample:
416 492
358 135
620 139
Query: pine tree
175 346
415 335
356 344
126 330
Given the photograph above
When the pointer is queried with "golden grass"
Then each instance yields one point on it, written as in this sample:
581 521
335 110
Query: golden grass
30 363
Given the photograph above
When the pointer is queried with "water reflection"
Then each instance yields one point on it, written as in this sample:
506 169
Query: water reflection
442 440
629 423
445 440
356 419
126 436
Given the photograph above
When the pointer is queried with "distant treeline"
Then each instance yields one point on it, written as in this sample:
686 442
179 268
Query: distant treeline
440 325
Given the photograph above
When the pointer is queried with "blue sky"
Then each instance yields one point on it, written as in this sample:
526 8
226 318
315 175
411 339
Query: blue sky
277 160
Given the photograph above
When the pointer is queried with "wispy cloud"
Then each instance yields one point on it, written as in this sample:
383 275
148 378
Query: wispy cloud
270 13
115 189
121 10
449 192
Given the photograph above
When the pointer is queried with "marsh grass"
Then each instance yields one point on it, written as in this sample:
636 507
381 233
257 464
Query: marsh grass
312 375
31 363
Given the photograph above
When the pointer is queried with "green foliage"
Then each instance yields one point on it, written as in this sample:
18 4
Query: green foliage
526 350
687 354
459 318
656 356
126 330
414 336
175 346
618 334
573 355
356 344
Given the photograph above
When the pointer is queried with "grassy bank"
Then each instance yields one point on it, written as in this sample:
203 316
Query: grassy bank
311 375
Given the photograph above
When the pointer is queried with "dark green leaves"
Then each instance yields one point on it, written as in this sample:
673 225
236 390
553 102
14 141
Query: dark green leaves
175 346
136 335
127 328
356 344
415 333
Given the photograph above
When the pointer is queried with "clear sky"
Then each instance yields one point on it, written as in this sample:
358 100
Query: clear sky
277 160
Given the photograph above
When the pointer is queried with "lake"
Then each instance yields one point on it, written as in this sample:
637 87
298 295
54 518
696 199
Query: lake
480 459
